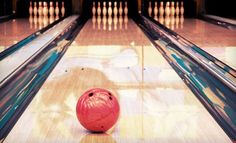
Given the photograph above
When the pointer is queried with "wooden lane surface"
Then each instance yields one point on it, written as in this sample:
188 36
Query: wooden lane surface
216 40
156 106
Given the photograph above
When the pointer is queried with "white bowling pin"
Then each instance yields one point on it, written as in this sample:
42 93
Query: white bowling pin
126 21
172 8
126 8
104 9
167 9
63 9
51 19
109 23
161 9
35 22
51 9
94 21
150 9
120 21
115 22
104 22
40 9
172 22
109 9
161 19
45 21
181 21
177 22
115 10
182 8
99 9
30 9
155 10
94 9
177 9
57 10
31 21
35 9
167 21
120 9
99 22
40 21
45 9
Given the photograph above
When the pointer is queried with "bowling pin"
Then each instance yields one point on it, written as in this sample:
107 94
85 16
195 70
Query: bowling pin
181 21
94 9
115 10
182 8
35 22
104 22
40 21
51 19
35 9
126 8
57 10
177 9
99 9
45 21
30 9
150 9
109 23
57 17
45 9
172 22
126 21
155 10
104 9
94 21
99 22
31 21
115 22
161 9
120 21
109 9
177 22
51 9
120 9
155 17
167 9
161 19
40 9
63 9
172 8
167 21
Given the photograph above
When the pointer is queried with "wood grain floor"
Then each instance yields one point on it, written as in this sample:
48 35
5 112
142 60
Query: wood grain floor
156 106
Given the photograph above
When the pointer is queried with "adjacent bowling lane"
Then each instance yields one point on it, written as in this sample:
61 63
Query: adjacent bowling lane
155 104
216 40
15 30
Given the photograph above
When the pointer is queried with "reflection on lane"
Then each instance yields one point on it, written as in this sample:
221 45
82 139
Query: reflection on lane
18 29
110 23
214 94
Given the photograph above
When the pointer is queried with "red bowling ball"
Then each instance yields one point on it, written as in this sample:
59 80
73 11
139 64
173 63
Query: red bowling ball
97 110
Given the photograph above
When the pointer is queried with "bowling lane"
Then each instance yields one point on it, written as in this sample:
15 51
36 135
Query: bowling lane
216 40
15 30
156 106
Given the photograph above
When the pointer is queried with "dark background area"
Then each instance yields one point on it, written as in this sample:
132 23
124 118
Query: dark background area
5 7
224 8
215 7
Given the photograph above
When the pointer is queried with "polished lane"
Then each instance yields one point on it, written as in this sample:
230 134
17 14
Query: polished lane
156 105
216 40
15 30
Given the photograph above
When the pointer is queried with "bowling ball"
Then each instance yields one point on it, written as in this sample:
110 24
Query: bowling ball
97 110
